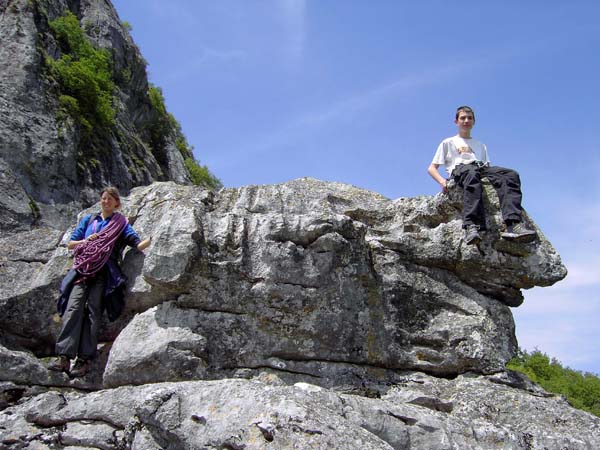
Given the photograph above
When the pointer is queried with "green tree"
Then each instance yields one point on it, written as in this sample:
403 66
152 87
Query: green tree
582 390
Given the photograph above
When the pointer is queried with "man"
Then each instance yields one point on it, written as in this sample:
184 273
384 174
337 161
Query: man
466 161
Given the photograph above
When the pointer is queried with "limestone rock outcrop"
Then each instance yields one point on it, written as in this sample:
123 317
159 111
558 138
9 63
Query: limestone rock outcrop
49 169
306 273
326 316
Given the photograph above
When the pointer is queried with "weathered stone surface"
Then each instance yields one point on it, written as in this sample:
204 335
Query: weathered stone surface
157 346
302 315
30 269
34 141
86 435
476 413
302 273
25 369
297 275
307 282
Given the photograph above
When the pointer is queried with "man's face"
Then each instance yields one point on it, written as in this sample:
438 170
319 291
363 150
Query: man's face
465 121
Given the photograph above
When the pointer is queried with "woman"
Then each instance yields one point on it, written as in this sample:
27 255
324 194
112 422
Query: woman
94 281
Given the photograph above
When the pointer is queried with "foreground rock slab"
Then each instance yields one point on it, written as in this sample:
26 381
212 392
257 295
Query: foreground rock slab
424 412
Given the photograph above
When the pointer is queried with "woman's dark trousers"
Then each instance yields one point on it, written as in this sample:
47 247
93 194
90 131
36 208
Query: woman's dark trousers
82 319
507 184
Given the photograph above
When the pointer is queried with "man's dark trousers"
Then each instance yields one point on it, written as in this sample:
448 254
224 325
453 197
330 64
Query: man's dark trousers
507 184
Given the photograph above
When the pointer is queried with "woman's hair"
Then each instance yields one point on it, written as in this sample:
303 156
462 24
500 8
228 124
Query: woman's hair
113 192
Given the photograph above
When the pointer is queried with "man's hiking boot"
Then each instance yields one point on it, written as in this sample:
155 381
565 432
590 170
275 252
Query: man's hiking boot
472 235
519 232
60 364
81 368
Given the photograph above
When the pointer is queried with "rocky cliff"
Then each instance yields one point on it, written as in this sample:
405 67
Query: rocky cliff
308 315
50 164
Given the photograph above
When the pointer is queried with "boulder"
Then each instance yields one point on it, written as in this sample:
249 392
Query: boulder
307 314
309 276
293 276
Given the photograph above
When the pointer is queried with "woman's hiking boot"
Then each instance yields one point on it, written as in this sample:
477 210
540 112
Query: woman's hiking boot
81 368
60 364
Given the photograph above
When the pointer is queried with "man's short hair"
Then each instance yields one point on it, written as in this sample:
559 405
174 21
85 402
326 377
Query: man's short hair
464 108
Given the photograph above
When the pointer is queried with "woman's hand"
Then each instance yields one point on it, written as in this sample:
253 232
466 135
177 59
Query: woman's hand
144 244
72 244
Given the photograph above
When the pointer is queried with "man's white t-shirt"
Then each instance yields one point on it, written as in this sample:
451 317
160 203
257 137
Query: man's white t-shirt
456 150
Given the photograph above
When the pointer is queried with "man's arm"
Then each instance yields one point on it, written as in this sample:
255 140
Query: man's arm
435 174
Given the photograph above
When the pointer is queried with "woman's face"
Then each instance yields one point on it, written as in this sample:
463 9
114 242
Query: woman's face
108 203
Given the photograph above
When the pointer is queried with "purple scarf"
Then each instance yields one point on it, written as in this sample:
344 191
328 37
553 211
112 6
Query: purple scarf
90 256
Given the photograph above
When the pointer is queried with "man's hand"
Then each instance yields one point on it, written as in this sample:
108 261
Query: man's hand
432 170
444 184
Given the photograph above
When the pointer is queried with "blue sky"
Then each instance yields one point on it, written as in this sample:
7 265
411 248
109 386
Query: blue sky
362 92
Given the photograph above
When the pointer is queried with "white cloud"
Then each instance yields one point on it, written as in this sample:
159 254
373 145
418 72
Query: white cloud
176 12
293 14
554 302
349 107
573 343
202 58
562 322
582 274
212 55
360 101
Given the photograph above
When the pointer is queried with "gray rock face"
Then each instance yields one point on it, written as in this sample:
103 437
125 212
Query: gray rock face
331 316
471 412
46 169
301 275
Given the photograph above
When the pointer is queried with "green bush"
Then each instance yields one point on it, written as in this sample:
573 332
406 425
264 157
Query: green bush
200 175
69 105
84 75
582 390
163 123
158 100
163 126
183 147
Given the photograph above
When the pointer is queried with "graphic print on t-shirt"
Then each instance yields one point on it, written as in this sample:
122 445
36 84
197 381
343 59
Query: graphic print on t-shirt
466 154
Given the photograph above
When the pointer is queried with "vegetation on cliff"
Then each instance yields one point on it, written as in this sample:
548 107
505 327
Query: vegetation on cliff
85 80
84 75
582 390
166 123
